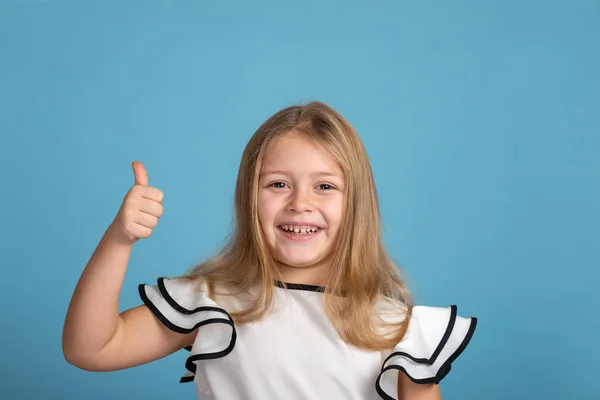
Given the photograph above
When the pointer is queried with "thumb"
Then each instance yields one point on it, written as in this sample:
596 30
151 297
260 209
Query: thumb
140 173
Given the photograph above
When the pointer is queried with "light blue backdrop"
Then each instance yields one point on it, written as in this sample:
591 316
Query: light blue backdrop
481 119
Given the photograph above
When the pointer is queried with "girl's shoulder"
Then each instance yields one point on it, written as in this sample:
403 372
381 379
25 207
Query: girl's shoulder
183 304
435 337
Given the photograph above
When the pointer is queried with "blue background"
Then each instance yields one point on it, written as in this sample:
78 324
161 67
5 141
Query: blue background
481 119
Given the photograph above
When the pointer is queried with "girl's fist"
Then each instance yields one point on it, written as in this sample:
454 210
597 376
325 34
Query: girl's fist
140 210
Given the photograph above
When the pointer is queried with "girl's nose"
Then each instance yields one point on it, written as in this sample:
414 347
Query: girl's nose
300 202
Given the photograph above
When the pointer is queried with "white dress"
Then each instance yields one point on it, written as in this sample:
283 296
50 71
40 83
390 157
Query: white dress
295 352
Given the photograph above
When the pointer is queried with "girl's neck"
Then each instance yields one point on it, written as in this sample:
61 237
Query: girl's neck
307 275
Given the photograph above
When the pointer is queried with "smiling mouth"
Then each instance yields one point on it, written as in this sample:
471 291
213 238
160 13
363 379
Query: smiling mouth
300 230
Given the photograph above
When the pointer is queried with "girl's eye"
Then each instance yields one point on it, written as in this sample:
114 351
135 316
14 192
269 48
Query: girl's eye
277 185
325 186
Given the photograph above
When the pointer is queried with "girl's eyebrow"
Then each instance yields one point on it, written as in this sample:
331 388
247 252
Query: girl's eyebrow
263 173
314 174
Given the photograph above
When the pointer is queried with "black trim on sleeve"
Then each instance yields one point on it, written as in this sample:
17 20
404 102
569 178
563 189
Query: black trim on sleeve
444 368
440 346
189 364
186 379
178 307
179 329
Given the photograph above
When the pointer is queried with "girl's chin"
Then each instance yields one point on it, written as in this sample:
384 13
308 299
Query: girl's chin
301 262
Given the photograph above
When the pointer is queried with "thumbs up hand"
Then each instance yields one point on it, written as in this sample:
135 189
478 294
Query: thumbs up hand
140 210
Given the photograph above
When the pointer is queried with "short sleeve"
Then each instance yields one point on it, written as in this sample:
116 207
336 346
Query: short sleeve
435 337
183 305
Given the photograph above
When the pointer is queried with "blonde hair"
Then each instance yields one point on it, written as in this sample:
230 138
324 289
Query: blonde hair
361 273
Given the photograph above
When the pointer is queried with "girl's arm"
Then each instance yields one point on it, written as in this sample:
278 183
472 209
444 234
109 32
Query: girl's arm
408 390
95 336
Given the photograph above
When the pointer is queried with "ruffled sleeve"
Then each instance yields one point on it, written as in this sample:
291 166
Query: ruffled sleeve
183 305
435 337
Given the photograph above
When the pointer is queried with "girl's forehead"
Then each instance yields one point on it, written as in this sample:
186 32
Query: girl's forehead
296 143
295 148
298 154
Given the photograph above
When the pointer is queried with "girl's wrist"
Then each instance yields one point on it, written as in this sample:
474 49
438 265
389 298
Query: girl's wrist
114 239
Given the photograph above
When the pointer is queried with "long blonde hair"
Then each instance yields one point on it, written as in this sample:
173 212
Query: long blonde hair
361 273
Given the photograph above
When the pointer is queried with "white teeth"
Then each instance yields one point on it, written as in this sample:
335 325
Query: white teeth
304 230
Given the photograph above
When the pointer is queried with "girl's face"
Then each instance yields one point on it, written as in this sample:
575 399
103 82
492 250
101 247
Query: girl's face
300 204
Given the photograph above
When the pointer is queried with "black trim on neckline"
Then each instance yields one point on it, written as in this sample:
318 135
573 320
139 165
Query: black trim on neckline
299 286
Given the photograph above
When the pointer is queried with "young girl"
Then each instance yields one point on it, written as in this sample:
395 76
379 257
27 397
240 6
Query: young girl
302 303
